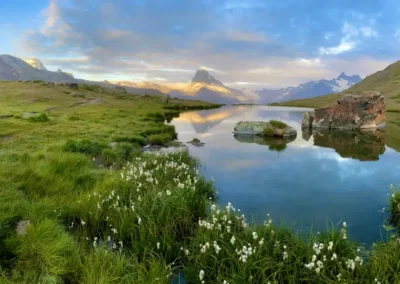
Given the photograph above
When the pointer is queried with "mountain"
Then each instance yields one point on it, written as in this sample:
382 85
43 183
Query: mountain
13 68
16 69
35 63
202 76
309 89
202 87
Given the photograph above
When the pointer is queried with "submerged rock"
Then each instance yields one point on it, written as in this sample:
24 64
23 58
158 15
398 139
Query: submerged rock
353 111
272 128
196 142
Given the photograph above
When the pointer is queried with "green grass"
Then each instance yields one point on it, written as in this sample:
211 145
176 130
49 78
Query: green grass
278 124
133 217
39 118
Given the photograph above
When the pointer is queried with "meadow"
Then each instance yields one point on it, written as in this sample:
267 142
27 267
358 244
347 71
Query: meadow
100 210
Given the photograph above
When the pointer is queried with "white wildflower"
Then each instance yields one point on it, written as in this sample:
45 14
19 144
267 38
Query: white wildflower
330 246
168 192
255 236
334 257
351 264
201 275
233 239
285 255
158 245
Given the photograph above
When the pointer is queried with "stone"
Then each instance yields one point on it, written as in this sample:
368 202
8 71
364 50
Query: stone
307 120
264 128
22 227
196 142
362 110
50 84
120 89
72 85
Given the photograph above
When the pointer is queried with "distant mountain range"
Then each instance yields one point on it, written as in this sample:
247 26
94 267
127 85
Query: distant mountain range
309 89
202 87
206 87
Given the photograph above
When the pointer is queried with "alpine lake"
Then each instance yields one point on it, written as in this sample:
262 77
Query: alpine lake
314 181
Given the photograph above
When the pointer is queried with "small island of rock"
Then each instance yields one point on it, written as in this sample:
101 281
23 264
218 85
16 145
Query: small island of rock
271 128
362 110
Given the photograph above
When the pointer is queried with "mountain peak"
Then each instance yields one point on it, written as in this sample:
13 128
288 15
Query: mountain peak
202 76
35 63
353 78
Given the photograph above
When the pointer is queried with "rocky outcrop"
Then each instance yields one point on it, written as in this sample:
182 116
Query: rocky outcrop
262 128
362 110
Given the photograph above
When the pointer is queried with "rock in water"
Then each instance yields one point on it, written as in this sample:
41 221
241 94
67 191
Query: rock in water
271 128
353 111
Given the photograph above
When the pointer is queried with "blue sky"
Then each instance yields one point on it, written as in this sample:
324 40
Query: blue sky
251 43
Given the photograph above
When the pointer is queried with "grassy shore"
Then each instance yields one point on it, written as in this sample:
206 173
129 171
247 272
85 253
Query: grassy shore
102 213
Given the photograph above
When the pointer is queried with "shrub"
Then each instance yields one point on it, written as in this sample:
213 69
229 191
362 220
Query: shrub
39 118
278 124
120 154
84 146
395 208
268 131
156 116
160 139
134 139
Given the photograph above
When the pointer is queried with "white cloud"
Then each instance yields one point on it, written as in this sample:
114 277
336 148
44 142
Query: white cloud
368 32
342 47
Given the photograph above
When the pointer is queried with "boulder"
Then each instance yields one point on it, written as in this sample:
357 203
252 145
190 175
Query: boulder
362 110
50 84
120 89
72 85
262 128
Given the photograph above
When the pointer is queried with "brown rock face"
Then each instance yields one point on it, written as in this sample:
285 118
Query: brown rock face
353 111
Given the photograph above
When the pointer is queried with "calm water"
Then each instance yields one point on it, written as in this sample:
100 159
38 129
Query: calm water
310 181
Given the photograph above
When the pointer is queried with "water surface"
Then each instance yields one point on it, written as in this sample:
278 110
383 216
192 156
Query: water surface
317 178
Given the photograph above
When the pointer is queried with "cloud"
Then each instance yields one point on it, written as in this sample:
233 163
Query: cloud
369 32
275 43
342 47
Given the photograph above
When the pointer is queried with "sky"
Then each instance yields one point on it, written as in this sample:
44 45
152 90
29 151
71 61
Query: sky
251 44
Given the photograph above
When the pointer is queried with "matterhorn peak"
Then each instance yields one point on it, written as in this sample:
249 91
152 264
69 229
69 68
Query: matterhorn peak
202 76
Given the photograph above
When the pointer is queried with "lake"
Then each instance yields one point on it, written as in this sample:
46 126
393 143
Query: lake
317 179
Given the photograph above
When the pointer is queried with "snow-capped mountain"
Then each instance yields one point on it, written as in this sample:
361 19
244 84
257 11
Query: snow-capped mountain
35 63
309 89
